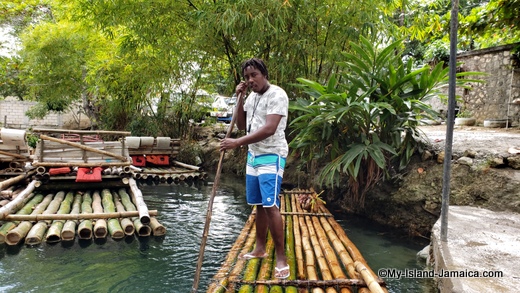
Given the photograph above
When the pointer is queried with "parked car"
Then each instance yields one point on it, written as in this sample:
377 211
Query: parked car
222 108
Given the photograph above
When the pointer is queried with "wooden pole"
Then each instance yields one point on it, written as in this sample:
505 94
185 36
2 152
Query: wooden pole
80 164
137 196
210 203
84 147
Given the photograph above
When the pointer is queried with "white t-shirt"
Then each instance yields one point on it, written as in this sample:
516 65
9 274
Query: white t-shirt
273 101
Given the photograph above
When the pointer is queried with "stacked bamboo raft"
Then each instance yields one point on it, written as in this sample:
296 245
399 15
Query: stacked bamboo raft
34 217
320 255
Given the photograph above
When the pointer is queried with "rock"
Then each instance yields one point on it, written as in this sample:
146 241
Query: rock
465 161
470 154
426 155
424 254
497 162
514 162
440 157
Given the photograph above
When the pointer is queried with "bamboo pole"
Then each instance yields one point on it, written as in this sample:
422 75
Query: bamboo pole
309 254
126 223
100 226
83 147
74 131
114 227
68 233
329 253
80 164
306 283
322 261
157 228
25 210
54 231
347 261
298 249
290 243
6 183
18 156
210 204
221 278
140 228
137 197
35 235
75 217
20 200
368 278
85 225
187 166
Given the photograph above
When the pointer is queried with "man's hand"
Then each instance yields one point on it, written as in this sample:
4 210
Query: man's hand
229 143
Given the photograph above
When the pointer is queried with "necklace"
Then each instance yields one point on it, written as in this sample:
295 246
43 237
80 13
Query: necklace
255 105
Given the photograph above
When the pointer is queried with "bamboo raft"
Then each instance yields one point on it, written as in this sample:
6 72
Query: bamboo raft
320 255
33 217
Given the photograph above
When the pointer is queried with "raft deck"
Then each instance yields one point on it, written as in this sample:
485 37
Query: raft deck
320 255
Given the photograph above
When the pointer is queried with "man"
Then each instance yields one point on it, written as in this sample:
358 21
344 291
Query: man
264 117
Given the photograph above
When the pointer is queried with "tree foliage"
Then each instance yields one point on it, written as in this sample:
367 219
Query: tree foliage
367 117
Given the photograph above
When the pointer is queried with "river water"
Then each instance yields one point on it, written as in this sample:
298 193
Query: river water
168 264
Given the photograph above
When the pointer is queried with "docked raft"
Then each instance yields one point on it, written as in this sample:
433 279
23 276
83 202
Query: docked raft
320 255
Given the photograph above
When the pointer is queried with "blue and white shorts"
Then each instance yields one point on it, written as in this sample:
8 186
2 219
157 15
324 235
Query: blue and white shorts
264 175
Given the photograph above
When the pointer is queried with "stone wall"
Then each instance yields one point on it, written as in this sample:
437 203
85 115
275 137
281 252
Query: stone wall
494 98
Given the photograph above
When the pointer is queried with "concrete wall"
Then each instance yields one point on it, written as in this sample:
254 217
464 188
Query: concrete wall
492 99
12 115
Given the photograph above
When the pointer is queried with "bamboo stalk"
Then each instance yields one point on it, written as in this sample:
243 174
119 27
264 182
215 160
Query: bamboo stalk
100 226
126 223
187 166
6 183
289 244
309 254
83 147
298 249
54 231
157 228
17 234
140 228
369 279
25 210
221 279
48 130
80 164
85 226
137 197
114 227
20 200
18 156
322 261
68 233
306 283
307 214
35 235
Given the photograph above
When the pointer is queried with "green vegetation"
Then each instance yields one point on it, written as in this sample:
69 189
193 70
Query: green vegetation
367 117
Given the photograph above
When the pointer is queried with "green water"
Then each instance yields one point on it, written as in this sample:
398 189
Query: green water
167 264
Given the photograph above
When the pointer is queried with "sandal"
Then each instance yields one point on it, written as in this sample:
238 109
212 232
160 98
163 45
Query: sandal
250 255
282 273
